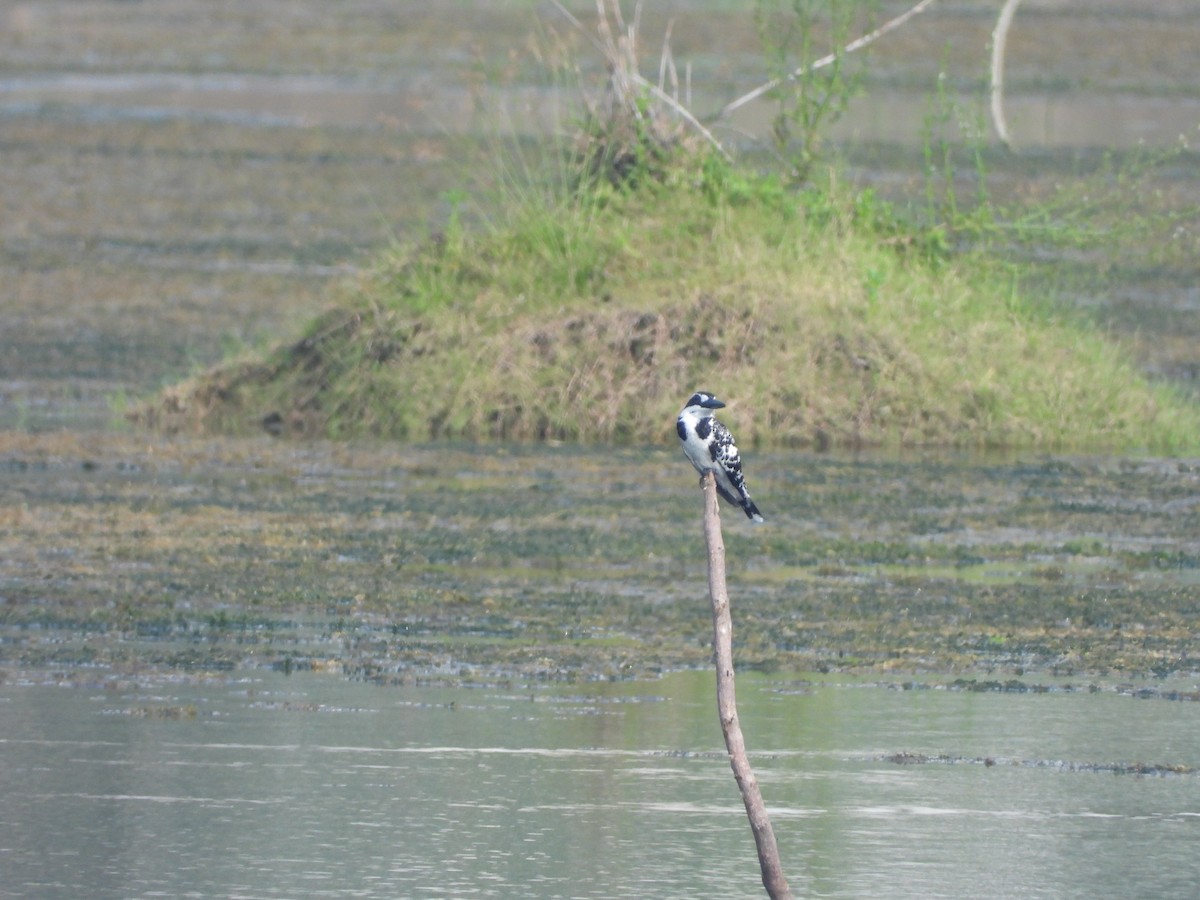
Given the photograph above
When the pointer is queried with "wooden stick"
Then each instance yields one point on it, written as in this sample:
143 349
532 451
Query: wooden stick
756 811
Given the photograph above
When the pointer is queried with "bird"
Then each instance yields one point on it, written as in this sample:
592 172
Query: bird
710 447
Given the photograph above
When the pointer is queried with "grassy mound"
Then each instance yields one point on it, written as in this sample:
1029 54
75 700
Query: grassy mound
590 316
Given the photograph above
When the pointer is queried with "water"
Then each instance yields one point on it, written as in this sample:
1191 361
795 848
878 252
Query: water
261 785
1042 119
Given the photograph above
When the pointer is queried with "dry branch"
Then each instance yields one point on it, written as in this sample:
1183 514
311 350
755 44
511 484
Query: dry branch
856 44
756 811
999 42
620 57
617 43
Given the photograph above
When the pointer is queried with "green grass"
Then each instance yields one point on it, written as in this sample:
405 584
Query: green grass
588 314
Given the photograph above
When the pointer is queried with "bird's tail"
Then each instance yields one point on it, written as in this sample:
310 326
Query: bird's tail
742 499
751 510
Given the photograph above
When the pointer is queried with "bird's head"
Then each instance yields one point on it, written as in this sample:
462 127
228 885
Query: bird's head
703 400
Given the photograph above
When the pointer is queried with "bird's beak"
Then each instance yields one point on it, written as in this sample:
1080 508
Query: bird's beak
713 403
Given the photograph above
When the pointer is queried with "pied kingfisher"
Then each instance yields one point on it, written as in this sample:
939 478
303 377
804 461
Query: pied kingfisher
710 447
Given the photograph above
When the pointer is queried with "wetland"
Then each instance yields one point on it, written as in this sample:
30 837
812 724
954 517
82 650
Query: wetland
283 668
399 563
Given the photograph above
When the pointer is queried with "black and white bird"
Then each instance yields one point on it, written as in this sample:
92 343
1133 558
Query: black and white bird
710 447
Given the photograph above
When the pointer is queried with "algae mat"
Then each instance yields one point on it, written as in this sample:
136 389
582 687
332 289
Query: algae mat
460 563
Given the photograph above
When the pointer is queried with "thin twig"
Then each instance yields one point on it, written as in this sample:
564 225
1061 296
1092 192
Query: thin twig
756 811
684 113
666 63
999 42
856 44
633 30
570 17
624 75
602 26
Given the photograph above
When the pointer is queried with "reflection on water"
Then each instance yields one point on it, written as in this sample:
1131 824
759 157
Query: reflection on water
263 786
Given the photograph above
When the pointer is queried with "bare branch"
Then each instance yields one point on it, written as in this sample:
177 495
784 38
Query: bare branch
684 113
666 62
570 17
623 71
856 44
602 26
999 41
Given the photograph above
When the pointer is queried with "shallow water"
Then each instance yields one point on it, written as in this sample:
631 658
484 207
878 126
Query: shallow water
1050 119
259 785
465 563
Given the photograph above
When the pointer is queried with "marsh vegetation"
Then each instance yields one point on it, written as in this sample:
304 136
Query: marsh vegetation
398 564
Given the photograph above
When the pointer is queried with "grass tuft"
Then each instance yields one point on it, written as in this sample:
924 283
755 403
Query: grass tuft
589 319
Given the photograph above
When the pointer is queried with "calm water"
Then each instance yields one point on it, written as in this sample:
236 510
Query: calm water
315 786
